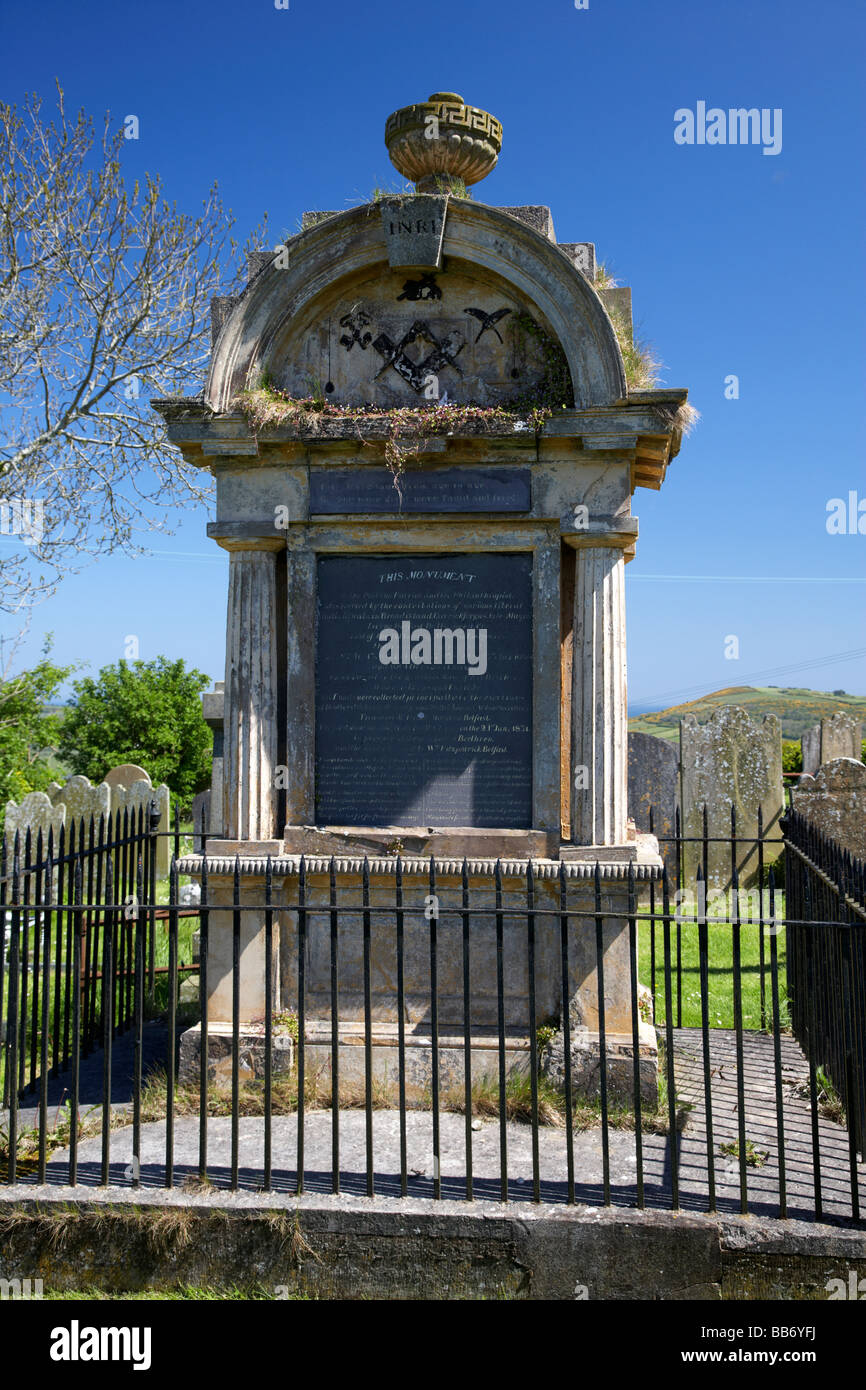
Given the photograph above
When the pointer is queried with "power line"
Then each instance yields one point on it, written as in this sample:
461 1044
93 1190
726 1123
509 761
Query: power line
809 664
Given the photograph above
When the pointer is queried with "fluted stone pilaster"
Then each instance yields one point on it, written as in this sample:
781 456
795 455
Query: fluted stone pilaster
250 749
599 742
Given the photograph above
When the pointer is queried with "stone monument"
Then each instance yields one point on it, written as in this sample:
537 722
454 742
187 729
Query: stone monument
425 450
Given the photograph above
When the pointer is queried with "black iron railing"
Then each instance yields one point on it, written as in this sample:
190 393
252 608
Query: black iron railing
742 1119
826 902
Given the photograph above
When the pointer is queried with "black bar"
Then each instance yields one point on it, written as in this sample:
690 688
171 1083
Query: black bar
335 1027
704 958
434 1027
368 1031
269 1022
172 1018
635 1032
401 1025
533 1028
777 1049
566 1029
500 1015
107 1020
203 920
236 1017
669 1047
467 1035
602 1036
76 1030
738 1028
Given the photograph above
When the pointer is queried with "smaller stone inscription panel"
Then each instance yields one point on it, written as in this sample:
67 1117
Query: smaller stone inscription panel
424 691
346 491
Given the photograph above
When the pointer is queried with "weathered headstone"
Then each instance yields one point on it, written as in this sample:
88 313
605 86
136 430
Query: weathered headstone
841 737
82 800
132 790
838 735
653 785
34 812
810 746
834 800
730 762
125 774
200 814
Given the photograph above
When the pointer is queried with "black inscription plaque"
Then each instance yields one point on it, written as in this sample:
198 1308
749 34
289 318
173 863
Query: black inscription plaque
424 691
345 491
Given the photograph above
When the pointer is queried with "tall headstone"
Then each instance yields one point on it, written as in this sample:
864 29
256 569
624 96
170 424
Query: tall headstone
730 762
34 812
200 817
654 785
132 790
810 747
834 800
82 800
838 735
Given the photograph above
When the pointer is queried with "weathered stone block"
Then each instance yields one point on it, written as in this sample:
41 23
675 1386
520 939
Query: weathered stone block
251 1053
414 229
654 785
730 762
834 800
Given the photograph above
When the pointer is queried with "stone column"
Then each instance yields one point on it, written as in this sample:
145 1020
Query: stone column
599 735
250 718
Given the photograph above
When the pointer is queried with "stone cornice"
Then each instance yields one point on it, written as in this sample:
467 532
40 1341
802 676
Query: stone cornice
288 866
642 425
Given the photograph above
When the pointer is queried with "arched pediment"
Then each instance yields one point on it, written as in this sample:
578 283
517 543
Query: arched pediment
488 327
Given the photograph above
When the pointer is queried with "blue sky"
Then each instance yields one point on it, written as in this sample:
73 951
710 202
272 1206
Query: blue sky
739 262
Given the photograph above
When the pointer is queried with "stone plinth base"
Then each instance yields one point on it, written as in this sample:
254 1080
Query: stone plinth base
418 1057
418 1060
619 1055
251 1053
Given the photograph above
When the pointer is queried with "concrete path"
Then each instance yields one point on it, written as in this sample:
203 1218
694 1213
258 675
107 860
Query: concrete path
658 1152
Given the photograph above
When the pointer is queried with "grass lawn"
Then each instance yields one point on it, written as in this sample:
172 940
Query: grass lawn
720 975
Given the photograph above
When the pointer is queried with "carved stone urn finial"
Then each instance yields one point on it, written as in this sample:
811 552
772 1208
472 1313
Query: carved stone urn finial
442 139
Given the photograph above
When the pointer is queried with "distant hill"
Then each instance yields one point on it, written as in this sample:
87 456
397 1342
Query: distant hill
797 708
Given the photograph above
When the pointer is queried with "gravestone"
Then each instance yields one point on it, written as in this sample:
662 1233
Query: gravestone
34 812
424 691
82 800
730 762
653 784
841 737
125 774
838 735
132 790
834 801
200 813
810 747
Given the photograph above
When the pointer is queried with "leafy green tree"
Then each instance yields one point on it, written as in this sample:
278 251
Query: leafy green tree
29 734
145 712
792 755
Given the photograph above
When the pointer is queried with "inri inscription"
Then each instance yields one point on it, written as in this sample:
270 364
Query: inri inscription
424 691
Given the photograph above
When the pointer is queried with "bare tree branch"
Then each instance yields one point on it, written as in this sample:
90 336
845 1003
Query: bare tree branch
104 303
